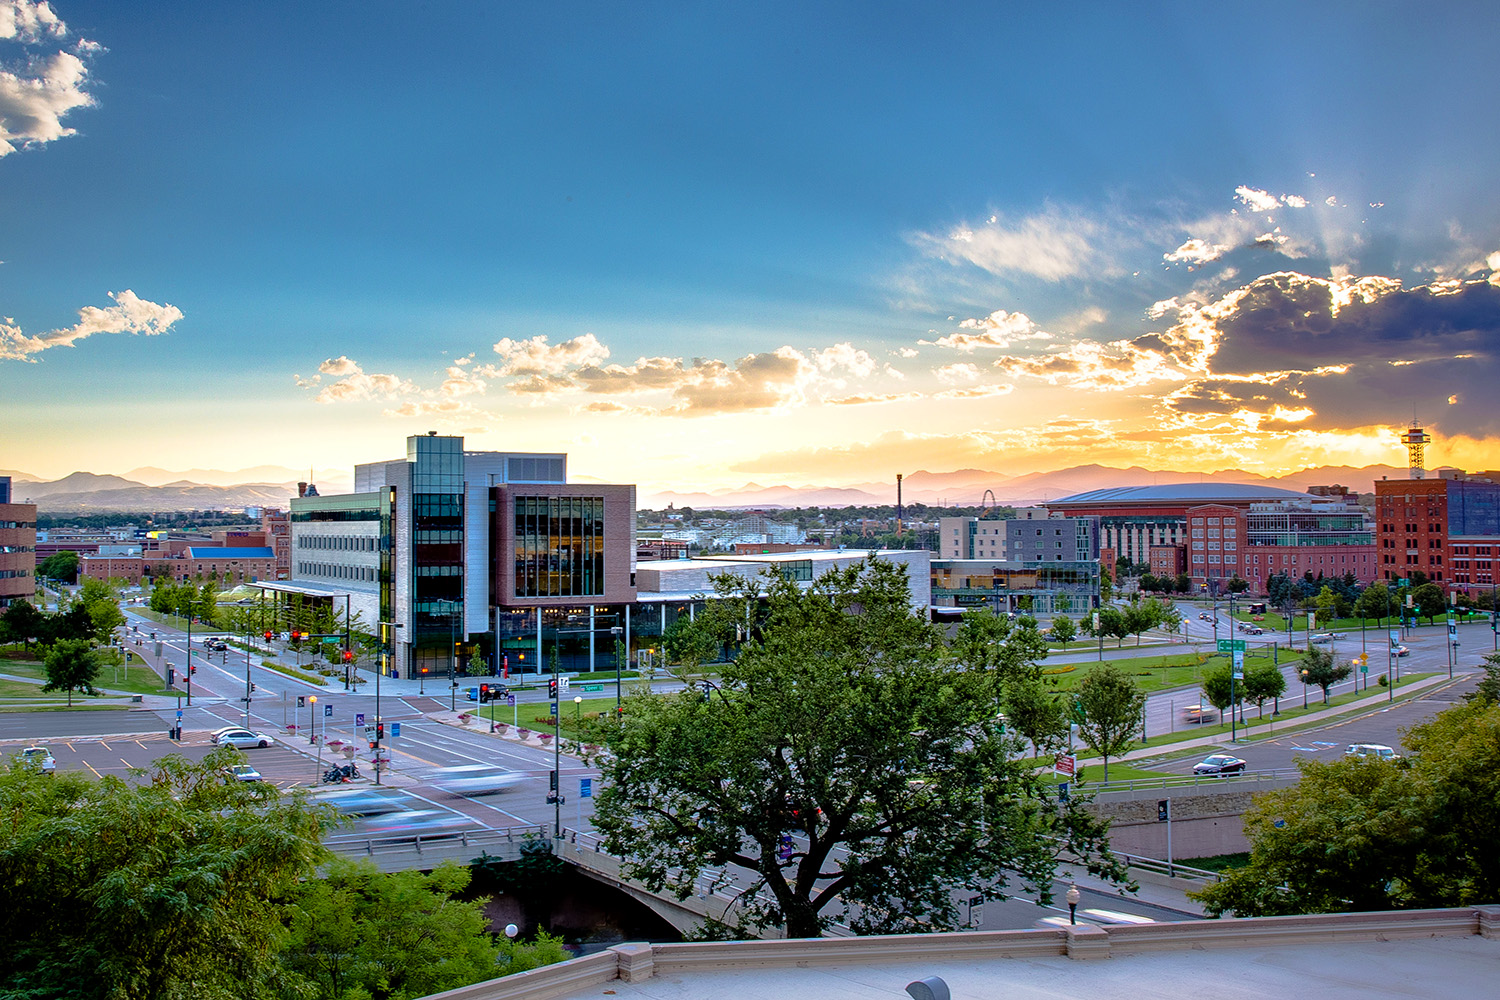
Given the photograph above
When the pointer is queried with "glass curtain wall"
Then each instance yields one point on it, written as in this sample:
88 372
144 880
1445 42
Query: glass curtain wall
437 551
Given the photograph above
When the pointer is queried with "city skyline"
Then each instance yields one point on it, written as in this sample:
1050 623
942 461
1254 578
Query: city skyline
699 247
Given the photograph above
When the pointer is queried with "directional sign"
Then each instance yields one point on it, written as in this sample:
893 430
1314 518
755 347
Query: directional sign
179 713
510 700
359 718
585 788
395 729
1066 765
562 683
1230 645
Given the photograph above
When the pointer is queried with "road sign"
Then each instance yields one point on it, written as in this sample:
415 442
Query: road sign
359 718
1230 645
327 711
395 729
1404 583
1239 662
562 684
585 788
591 687
510 700
552 707
1395 638
179 713
1066 765
784 848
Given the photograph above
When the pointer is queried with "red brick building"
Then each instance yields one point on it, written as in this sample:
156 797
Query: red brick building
1447 527
17 547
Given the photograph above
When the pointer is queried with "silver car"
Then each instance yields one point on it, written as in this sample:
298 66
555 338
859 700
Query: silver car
475 779
243 739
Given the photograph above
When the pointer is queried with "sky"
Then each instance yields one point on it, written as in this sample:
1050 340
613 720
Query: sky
701 245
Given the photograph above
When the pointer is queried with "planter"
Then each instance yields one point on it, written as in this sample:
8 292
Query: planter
523 733
546 738
463 719
501 727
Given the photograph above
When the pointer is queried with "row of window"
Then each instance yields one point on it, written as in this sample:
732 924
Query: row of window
17 548
17 524
11 574
332 571
338 543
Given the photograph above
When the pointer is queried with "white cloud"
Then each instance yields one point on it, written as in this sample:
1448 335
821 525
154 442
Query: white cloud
1051 246
25 21
999 329
354 383
1257 200
340 365
535 356
906 352
975 392
955 373
1294 201
1196 251
129 314
39 93
845 356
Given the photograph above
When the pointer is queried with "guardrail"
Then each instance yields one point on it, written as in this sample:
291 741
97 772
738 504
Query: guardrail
1218 782
396 851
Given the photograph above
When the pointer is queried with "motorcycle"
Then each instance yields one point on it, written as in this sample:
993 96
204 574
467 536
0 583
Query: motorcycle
335 775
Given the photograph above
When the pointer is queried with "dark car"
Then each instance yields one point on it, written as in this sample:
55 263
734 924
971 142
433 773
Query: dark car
1219 763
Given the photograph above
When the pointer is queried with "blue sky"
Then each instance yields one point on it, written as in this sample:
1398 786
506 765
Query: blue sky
696 245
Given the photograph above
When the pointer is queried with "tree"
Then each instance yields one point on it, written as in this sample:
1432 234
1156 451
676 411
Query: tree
1366 834
1322 669
405 934
688 644
1112 624
147 889
1063 629
1036 713
24 623
1110 711
1429 601
103 606
990 642
1374 602
1489 688
1263 680
61 566
846 721
1237 585
1217 689
1280 589
72 665
1183 583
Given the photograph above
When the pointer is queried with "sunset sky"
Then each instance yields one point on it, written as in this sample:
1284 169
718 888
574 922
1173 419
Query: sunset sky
696 245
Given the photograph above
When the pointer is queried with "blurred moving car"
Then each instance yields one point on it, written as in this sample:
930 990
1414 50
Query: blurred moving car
419 822
364 802
242 739
475 779
1377 750
1197 715
38 758
241 772
1219 763
1321 637
1403 651
1114 917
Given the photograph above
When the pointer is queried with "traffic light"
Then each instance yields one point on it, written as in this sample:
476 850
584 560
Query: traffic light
268 633
379 731
484 693
552 689
301 701
348 656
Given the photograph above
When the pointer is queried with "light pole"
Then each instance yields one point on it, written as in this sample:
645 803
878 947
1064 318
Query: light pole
615 631
312 711
578 715
386 628
1304 687
348 643
1073 896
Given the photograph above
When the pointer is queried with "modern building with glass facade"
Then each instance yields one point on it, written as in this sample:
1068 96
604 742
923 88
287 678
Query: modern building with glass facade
1038 588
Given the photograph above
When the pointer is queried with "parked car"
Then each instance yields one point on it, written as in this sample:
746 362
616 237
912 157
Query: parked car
39 758
241 772
242 739
1377 750
1219 763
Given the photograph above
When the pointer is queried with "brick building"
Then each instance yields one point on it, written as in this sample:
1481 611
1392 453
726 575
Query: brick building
17 547
1447 528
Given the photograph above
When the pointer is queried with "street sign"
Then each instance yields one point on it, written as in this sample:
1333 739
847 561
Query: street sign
1066 765
1395 638
1230 645
585 788
562 684
327 711
510 700
359 718
1239 663
591 687
179 713
553 708
395 729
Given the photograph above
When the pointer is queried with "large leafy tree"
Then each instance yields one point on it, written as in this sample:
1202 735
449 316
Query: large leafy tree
1375 601
1110 710
1263 680
1375 835
103 606
1429 600
140 890
360 932
1220 689
71 665
24 623
987 641
61 566
848 766
1064 629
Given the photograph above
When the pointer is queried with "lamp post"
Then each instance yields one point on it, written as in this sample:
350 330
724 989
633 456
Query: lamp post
578 715
386 628
1073 896
348 643
312 711
1304 687
615 631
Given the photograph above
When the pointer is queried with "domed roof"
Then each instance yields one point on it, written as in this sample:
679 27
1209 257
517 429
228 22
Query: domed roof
1194 493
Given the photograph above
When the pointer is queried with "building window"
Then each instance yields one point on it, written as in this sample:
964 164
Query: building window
559 546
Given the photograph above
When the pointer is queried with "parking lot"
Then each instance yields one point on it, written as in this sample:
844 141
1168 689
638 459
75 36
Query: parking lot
117 755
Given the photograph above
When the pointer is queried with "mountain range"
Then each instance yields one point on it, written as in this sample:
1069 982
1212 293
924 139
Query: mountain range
151 489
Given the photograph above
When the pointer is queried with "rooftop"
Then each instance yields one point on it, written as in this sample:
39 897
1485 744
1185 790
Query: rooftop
1180 492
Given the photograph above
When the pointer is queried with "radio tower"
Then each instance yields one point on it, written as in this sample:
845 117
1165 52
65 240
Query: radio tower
1416 441
899 511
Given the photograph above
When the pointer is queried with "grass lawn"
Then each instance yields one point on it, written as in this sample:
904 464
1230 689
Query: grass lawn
1155 673
134 679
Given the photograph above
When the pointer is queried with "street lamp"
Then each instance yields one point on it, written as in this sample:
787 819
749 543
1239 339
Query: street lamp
1073 896
578 715
1304 687
312 711
615 631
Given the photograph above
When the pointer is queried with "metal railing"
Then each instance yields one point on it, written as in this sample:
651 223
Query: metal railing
1215 781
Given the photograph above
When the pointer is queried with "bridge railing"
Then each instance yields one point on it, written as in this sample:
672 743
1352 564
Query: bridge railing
1218 782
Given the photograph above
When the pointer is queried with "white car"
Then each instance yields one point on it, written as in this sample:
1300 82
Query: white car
39 758
241 772
1377 750
475 779
242 739
1322 637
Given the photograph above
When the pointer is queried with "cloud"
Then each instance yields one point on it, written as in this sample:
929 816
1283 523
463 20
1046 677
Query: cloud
37 94
959 372
1197 251
129 314
1052 245
1257 200
975 392
535 356
999 329
844 356
870 399
450 408
354 383
755 382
